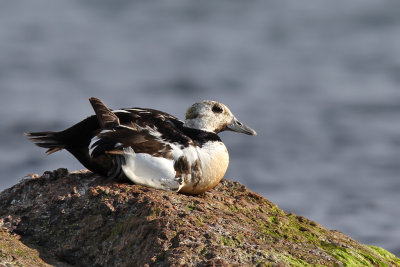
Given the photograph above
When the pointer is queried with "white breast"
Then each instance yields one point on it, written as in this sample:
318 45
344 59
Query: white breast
214 161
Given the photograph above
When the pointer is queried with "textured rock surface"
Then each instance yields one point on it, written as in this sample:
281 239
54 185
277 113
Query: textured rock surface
82 219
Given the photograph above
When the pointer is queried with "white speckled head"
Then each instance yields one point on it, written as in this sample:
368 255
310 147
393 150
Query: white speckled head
213 116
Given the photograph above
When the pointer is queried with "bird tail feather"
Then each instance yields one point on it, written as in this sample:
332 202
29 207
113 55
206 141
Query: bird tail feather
47 140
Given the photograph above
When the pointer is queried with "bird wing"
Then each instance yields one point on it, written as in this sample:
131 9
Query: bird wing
148 146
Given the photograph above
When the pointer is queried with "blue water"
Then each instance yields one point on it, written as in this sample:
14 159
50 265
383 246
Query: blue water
318 80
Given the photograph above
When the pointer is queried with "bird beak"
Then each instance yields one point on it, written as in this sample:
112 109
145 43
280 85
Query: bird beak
239 127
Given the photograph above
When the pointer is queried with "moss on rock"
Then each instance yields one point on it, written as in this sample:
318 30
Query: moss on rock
15 253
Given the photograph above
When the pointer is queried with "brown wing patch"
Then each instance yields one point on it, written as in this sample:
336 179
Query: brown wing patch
196 172
182 167
184 170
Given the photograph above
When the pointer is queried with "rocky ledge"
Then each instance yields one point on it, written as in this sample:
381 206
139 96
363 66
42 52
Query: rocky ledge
79 218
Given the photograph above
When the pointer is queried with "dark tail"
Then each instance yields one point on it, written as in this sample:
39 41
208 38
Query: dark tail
47 140
76 139
72 139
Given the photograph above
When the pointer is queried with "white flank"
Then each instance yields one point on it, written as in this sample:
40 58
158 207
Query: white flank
147 170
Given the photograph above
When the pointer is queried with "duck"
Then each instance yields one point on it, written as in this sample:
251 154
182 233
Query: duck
151 147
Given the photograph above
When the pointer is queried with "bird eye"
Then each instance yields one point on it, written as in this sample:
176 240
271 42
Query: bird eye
217 109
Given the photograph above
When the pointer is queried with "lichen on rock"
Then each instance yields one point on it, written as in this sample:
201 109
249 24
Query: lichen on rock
80 218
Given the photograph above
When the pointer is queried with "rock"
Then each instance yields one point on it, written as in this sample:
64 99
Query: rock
80 218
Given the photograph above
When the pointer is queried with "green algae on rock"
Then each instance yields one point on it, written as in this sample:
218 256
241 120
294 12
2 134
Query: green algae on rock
15 253
80 218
